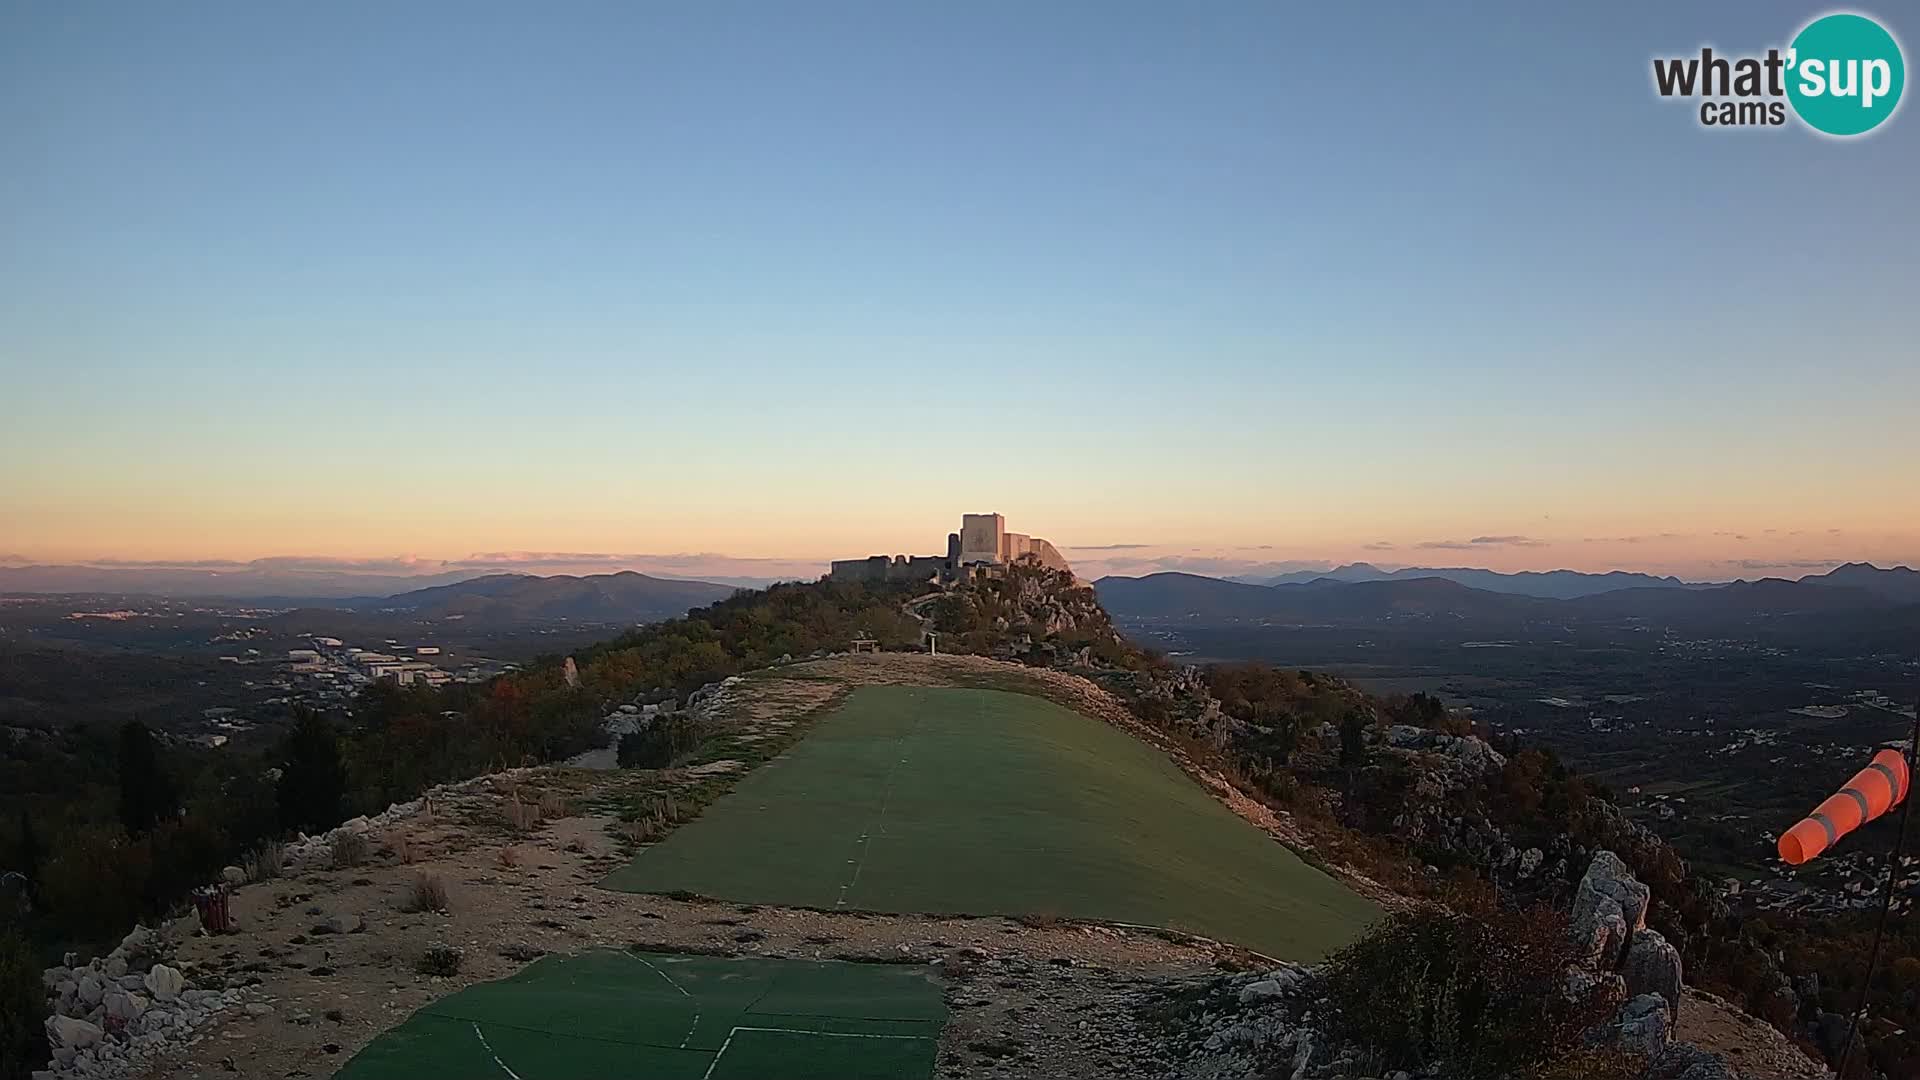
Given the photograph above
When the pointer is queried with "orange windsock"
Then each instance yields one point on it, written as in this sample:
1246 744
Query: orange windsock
1873 791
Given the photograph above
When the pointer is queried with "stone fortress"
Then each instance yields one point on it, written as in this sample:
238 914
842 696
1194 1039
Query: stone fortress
982 544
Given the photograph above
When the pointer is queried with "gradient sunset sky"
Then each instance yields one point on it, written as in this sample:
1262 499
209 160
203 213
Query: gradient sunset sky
1224 287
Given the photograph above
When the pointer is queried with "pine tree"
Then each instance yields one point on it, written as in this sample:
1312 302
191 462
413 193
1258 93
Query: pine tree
146 794
313 780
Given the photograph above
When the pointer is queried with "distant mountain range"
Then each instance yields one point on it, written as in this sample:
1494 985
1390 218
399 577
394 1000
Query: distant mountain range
627 596
1551 584
267 586
237 583
1325 599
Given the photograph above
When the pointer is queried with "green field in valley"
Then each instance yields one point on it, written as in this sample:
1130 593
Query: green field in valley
983 802
672 1017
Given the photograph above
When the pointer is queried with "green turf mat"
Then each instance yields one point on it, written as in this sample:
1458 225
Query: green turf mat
937 800
672 1017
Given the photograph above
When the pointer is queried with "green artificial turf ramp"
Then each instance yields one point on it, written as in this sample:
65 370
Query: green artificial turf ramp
672 1017
982 802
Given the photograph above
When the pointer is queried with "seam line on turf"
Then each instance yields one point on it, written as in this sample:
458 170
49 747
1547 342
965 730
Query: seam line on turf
478 1034
728 1041
691 1028
879 822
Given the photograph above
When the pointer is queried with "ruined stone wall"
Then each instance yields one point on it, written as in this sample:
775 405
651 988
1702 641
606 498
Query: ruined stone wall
1049 555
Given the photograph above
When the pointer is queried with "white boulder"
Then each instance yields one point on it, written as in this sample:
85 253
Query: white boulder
165 983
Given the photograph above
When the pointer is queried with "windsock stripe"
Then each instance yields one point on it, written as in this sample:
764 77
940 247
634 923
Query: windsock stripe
1826 823
1893 782
1866 812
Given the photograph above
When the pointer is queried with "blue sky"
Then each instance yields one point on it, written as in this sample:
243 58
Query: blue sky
361 279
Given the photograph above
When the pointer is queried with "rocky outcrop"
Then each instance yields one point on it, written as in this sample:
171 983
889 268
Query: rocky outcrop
1644 1026
1609 908
1470 751
119 1012
1609 927
1652 966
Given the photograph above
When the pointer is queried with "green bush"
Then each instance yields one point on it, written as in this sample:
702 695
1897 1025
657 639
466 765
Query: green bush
1476 998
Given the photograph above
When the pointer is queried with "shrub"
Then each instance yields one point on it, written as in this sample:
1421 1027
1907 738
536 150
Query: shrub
521 816
349 849
95 880
184 853
1594 1063
439 959
1467 996
265 862
653 823
429 894
23 1008
509 858
666 740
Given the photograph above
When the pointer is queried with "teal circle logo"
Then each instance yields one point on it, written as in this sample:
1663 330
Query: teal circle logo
1845 74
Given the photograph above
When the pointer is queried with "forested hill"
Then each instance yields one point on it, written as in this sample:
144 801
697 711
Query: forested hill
627 596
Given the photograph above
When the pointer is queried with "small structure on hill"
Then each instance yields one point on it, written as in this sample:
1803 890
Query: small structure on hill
982 544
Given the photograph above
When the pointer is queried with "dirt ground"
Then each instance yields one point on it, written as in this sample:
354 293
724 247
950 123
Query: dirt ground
334 985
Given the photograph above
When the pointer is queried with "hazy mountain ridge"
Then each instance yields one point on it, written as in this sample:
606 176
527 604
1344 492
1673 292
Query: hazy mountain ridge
627 596
1548 584
1857 587
234 584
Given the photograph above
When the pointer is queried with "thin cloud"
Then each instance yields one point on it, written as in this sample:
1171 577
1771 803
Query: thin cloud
1788 564
1205 565
1633 539
1380 545
402 564
1105 547
1480 542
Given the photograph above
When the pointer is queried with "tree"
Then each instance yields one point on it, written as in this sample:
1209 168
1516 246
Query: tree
1353 738
313 781
147 796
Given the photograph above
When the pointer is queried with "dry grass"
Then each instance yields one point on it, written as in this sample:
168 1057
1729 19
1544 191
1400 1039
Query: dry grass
554 806
653 824
265 862
509 858
429 894
349 849
402 846
521 816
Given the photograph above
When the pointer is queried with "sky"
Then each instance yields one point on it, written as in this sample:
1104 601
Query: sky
1226 287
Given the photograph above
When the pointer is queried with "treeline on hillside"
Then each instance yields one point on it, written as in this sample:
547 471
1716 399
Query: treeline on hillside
105 826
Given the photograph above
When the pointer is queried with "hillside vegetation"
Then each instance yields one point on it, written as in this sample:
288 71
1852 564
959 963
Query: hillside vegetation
1383 787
